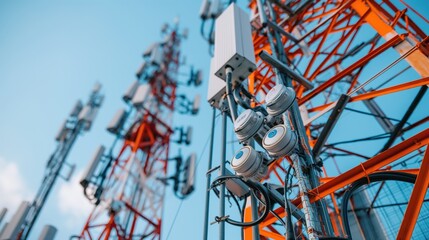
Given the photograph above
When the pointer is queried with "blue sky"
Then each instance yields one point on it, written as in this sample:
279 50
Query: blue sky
51 54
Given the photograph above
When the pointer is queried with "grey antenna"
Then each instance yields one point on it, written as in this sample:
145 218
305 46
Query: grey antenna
164 28
198 77
84 114
117 122
149 50
13 228
48 233
97 87
215 8
196 104
188 138
189 175
90 170
140 71
129 94
141 94
157 56
76 109
62 132
204 10
91 116
185 33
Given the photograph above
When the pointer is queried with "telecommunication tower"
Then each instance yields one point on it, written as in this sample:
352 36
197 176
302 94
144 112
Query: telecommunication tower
79 121
127 182
327 99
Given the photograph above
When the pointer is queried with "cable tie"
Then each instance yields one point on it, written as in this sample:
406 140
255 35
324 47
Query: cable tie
219 219
366 174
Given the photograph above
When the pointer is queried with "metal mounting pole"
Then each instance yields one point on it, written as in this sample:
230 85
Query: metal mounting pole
209 167
82 122
222 173
231 103
310 218
254 207
312 178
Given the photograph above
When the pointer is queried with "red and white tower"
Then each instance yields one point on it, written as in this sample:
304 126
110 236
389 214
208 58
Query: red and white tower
128 181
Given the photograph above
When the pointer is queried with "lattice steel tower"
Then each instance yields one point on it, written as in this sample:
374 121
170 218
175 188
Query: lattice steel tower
358 69
127 183
79 121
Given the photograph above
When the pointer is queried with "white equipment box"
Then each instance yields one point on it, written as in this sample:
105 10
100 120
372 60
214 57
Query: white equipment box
217 87
233 44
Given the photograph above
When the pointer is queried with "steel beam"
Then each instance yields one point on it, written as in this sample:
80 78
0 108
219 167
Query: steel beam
416 200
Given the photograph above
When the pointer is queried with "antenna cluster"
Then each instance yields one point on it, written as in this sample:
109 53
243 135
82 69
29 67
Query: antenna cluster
275 74
284 75
79 120
128 179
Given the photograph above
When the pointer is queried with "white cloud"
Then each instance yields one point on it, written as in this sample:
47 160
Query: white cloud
72 202
13 189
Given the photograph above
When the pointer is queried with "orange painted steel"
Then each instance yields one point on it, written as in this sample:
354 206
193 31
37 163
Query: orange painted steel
416 200
144 142
341 45
371 165
364 169
390 90
381 92
350 69
247 218
410 171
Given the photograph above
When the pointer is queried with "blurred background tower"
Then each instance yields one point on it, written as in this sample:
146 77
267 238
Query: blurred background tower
79 121
127 182
356 74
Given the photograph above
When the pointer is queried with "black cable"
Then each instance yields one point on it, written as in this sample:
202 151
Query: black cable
374 137
290 182
175 218
278 217
253 185
219 180
212 27
289 229
235 200
202 30
239 99
263 191
371 114
230 98
210 39
405 160
375 177
393 77
385 205
398 128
